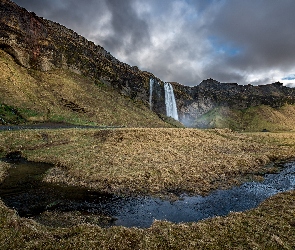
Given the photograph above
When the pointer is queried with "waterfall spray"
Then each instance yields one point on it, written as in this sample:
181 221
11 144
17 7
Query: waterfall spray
171 108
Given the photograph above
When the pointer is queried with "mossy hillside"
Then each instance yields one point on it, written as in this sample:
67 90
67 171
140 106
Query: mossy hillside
259 118
63 96
29 96
41 44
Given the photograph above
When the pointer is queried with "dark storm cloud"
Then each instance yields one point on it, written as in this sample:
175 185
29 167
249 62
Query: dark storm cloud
74 14
187 40
124 32
36 5
263 30
129 31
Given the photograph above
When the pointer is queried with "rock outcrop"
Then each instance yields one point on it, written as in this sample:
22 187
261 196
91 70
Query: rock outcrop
198 100
44 45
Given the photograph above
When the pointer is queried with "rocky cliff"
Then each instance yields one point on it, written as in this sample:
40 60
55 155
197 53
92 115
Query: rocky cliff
45 45
195 101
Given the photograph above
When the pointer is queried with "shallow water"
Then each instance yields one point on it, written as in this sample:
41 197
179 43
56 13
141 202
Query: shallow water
24 191
218 203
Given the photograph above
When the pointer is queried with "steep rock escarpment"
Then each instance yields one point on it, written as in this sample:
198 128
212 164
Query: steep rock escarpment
195 101
44 45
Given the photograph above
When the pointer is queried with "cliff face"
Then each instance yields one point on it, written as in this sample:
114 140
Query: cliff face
209 94
45 45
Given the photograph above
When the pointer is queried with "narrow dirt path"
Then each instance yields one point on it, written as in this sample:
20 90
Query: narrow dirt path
51 126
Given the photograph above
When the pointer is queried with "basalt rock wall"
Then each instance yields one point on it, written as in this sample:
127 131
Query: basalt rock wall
44 45
198 100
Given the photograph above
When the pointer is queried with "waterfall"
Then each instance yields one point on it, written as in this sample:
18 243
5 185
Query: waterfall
171 108
151 92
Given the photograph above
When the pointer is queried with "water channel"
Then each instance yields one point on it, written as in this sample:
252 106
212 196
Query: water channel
24 191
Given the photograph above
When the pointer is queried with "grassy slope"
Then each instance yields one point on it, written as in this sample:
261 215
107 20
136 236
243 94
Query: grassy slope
64 96
250 119
206 157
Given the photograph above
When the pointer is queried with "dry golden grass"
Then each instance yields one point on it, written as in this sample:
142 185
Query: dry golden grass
151 161
155 161
280 139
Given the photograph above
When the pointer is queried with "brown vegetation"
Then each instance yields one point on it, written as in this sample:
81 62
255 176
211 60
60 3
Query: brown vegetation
151 161
3 170
157 161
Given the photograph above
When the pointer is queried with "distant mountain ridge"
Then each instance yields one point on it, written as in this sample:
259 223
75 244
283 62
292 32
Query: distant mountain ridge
40 44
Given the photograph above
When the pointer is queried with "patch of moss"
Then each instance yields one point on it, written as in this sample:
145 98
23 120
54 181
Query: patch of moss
10 115
216 118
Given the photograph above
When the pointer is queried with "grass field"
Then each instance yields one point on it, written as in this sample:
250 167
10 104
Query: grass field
159 162
150 161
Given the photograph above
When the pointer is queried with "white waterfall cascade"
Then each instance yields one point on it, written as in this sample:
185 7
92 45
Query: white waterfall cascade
171 108
151 92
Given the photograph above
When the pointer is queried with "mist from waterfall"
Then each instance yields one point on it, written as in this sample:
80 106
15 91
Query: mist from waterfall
152 81
171 108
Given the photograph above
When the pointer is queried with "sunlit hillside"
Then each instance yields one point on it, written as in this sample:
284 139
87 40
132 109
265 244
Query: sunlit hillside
259 118
61 96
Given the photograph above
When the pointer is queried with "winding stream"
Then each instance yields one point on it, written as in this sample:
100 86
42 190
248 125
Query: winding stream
24 191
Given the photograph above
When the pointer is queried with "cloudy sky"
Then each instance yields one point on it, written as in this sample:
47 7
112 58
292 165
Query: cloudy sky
243 41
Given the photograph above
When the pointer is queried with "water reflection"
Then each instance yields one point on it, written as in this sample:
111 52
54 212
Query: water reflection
24 191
